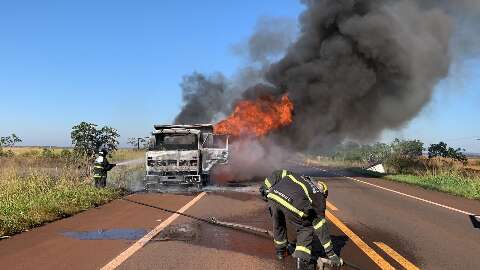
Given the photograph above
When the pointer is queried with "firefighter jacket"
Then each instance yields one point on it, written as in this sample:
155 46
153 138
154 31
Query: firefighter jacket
101 167
276 177
300 196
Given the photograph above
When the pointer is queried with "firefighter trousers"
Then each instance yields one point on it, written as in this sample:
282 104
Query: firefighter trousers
304 230
100 182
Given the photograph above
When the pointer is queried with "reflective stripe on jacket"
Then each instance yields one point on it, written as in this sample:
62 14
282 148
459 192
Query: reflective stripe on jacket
273 179
100 167
298 194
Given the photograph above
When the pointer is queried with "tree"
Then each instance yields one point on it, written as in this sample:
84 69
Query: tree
350 151
377 153
137 142
404 155
87 140
132 141
8 141
372 154
407 148
441 149
437 150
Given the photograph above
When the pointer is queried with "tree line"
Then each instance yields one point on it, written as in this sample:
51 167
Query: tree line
87 140
398 154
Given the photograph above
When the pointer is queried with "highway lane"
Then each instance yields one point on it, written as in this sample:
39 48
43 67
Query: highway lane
210 247
47 248
218 248
428 235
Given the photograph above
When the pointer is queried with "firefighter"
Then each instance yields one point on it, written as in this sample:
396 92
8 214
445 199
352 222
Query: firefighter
297 199
100 169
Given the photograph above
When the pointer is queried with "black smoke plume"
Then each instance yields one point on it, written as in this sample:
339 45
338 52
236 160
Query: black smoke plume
358 67
204 98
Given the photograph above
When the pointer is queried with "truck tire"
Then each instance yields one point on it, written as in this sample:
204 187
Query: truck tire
205 180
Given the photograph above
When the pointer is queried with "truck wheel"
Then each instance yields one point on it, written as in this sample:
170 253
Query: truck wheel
205 179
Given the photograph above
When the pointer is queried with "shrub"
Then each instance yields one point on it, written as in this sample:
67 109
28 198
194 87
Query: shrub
31 153
442 150
48 153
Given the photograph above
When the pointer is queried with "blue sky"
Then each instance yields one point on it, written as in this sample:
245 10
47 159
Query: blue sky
120 63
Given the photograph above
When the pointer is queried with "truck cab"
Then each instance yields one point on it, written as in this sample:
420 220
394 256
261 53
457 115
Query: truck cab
183 155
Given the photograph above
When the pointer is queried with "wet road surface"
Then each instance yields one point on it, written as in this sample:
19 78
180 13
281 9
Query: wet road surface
422 234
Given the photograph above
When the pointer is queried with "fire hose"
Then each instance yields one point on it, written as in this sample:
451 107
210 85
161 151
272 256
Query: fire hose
245 228
211 220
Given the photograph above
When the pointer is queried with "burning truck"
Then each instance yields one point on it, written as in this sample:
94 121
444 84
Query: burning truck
183 155
188 155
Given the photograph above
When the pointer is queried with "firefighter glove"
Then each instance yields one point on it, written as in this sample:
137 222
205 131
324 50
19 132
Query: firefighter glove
263 193
335 261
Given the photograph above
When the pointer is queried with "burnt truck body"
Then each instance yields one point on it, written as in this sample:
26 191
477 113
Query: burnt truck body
183 155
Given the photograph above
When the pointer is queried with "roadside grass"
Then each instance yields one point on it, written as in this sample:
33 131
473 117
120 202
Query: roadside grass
29 150
37 190
435 174
474 163
121 154
32 199
127 154
453 183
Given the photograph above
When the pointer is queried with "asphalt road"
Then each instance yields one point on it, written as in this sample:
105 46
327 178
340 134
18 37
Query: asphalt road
430 236
373 227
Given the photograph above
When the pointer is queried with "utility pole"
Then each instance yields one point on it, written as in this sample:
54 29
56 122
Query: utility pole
138 141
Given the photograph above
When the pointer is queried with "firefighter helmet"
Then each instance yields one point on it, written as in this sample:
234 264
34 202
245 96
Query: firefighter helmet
104 152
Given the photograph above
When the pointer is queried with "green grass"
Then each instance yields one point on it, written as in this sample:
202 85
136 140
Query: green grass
32 199
37 190
452 183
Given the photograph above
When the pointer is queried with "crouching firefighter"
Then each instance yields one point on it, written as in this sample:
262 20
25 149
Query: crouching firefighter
297 199
100 169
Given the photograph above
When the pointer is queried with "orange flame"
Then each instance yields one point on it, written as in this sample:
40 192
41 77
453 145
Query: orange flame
257 118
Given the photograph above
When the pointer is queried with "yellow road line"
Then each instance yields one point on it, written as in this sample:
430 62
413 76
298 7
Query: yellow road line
376 258
396 256
331 206
144 240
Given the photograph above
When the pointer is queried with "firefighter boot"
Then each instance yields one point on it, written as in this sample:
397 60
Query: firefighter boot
290 248
303 264
281 253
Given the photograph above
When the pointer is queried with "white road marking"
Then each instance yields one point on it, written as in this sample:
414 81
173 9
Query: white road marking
401 193
117 261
